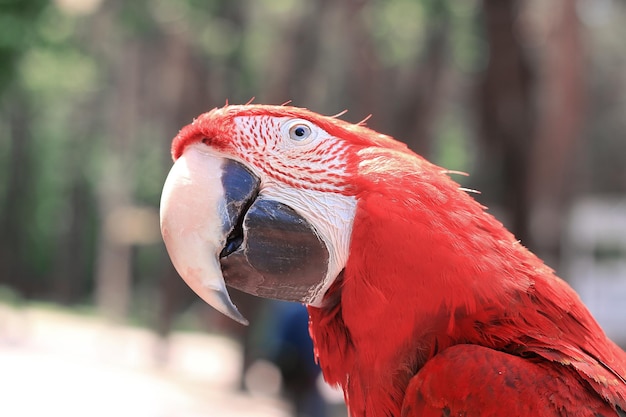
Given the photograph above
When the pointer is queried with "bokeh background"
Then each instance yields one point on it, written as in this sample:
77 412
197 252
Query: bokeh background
528 96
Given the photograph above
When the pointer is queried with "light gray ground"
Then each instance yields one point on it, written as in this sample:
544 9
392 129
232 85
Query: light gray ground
59 364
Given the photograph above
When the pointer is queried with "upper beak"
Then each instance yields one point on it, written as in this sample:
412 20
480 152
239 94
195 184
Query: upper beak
220 229
195 221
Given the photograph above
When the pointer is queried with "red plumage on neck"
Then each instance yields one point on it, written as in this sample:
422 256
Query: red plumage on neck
428 269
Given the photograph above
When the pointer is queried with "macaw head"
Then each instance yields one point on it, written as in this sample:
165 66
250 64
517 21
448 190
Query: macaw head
262 198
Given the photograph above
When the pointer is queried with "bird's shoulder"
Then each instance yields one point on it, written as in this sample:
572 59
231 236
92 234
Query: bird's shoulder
472 380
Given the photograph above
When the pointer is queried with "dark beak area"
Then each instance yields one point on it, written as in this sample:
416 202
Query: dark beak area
219 229
281 256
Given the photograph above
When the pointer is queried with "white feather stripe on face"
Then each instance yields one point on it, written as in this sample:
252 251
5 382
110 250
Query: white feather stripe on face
315 163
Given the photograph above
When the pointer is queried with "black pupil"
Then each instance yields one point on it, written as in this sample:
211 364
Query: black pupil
300 131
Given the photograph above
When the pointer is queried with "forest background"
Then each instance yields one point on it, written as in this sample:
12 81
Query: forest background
529 97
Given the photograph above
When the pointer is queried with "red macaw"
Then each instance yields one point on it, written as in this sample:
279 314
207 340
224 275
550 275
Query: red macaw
420 302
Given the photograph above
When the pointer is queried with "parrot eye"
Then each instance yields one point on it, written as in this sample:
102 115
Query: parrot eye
299 131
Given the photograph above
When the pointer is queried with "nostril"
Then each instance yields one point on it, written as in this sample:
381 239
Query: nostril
206 141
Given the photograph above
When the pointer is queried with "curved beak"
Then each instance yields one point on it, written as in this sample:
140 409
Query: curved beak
196 219
220 229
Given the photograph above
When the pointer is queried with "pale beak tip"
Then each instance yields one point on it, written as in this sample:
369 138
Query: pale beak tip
228 308
219 299
209 285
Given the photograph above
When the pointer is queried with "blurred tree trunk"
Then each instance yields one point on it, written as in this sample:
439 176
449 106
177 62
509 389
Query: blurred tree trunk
17 212
364 76
292 70
561 119
419 102
532 111
113 278
73 268
73 254
507 110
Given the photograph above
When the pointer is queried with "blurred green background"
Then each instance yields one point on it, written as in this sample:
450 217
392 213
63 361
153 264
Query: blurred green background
529 97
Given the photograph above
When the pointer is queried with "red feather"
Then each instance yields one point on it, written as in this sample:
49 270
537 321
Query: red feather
501 384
